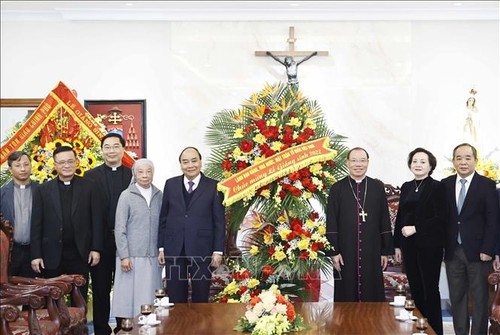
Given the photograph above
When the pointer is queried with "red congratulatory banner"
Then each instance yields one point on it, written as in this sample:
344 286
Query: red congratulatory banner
60 97
263 173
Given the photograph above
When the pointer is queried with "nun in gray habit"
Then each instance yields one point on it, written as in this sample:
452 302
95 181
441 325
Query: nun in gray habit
138 272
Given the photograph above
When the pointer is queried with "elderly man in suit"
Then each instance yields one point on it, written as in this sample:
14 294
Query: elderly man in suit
16 205
470 240
112 178
191 230
66 224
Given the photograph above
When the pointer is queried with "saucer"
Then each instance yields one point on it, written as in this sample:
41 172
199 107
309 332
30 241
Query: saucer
392 303
170 304
154 323
404 318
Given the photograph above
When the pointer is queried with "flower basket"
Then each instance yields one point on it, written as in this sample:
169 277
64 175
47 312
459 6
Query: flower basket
270 313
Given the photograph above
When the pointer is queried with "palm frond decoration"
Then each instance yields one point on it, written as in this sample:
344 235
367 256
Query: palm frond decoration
267 124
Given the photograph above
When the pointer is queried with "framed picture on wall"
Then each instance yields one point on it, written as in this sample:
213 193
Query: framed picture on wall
126 117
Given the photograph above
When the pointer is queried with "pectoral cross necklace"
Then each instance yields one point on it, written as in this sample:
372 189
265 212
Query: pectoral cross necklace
363 214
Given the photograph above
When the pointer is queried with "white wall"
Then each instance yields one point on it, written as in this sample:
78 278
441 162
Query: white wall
388 86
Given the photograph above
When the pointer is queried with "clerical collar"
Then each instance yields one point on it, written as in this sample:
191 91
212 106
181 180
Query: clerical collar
22 187
113 168
357 181
67 183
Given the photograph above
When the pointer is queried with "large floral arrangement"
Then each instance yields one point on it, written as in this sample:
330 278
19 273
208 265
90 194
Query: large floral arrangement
293 245
250 278
61 129
270 121
270 313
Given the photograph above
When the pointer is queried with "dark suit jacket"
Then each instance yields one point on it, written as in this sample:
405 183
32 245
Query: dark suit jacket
479 218
199 227
430 215
98 176
7 200
47 221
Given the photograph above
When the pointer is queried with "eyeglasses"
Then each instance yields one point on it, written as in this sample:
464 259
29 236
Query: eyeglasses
69 162
115 147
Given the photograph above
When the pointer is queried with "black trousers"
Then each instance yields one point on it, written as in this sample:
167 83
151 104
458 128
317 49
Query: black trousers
71 263
20 261
102 281
423 268
179 270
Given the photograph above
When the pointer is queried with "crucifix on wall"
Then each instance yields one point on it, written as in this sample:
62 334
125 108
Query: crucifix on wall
289 57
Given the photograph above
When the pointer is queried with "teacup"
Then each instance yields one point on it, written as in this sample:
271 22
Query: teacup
162 302
399 300
127 324
403 314
147 319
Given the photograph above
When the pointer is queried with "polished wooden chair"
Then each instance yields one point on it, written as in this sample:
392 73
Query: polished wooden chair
33 296
70 320
494 280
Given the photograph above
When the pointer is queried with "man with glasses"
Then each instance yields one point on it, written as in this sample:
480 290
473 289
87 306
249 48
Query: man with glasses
359 228
66 224
112 178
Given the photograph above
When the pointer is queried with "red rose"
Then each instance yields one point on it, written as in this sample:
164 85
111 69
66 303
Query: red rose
227 165
223 299
261 124
246 145
267 270
241 165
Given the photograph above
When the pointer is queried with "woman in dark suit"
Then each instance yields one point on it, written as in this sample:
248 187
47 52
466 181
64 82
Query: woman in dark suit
419 234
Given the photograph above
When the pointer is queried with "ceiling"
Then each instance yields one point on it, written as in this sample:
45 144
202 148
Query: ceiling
247 10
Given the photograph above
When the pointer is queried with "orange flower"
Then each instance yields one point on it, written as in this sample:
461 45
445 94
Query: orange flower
281 299
290 311
255 300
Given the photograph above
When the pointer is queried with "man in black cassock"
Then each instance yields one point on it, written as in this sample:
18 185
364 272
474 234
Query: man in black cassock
359 228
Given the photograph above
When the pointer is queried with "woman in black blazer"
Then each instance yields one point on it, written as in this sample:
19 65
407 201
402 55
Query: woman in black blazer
419 234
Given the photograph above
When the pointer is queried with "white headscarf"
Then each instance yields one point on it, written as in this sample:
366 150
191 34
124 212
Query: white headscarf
140 162
146 193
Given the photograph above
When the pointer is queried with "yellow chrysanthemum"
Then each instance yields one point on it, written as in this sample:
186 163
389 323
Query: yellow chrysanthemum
282 219
238 133
284 233
254 250
253 282
313 255
259 138
316 169
308 123
266 193
322 230
279 255
310 224
231 288
268 238
226 174
236 152
303 244
276 146
294 122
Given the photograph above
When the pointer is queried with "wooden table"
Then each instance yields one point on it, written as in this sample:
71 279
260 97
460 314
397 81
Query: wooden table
345 318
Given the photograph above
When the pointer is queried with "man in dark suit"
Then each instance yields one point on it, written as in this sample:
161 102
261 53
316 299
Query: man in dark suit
111 178
16 206
66 224
470 240
191 230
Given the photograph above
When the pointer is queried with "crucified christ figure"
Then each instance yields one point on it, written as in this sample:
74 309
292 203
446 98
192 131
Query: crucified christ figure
291 66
